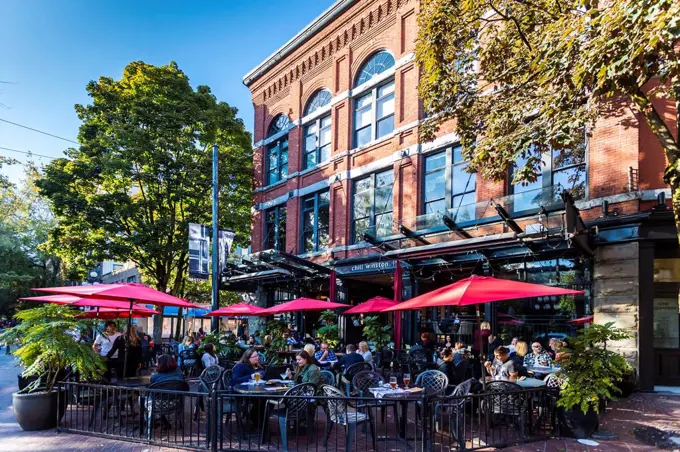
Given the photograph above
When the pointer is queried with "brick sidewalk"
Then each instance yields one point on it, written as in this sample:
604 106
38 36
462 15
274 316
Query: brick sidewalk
641 409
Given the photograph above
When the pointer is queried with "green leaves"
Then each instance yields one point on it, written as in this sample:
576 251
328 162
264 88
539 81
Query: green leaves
48 348
374 331
591 372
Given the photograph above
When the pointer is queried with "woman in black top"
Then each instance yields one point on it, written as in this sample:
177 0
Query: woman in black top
133 356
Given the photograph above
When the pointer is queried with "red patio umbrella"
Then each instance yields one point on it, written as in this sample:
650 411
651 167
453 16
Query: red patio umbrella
130 292
80 302
303 304
375 304
480 290
109 313
582 320
238 309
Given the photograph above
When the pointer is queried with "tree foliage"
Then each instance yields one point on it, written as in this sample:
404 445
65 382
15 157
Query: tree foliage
48 346
374 331
590 371
24 226
143 171
522 78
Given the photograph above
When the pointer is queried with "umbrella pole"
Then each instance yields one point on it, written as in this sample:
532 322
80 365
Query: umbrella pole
127 340
481 346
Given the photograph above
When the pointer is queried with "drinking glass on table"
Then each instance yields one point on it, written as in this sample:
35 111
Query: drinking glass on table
393 382
256 376
407 380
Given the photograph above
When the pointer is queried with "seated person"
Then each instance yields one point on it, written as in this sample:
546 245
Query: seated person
350 357
291 339
521 349
511 347
309 348
307 371
365 351
325 353
502 366
246 367
447 366
537 357
166 369
460 353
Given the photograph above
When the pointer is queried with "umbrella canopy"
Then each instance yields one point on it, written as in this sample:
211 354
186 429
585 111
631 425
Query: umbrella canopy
79 302
239 309
375 304
582 320
480 290
127 292
302 304
108 313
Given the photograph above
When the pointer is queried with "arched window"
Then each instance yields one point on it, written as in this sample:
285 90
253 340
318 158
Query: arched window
277 151
320 99
374 109
317 134
376 64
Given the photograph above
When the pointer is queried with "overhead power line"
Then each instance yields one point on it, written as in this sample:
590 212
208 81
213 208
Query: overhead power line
39 131
27 153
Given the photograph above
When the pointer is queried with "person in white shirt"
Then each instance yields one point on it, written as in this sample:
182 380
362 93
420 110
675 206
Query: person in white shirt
209 358
365 352
103 344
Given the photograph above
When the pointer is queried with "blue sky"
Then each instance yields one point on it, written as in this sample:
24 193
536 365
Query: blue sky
50 49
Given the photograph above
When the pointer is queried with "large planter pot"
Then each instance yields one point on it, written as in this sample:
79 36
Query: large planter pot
576 424
627 384
38 410
23 382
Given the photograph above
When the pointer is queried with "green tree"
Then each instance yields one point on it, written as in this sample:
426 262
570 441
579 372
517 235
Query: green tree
522 78
143 171
24 226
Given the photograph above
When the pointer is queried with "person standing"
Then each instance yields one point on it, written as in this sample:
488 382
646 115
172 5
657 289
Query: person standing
129 350
103 344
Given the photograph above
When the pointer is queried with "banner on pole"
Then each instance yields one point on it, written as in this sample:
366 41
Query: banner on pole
199 251
226 238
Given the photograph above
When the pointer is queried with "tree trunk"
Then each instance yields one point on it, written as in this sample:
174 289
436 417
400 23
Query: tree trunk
178 327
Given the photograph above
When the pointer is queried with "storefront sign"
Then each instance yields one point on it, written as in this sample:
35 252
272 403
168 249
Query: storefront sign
367 267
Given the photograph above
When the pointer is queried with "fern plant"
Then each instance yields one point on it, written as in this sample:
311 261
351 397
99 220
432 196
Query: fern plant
374 331
48 349
277 330
590 371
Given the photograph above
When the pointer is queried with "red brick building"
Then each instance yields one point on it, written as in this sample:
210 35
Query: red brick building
342 184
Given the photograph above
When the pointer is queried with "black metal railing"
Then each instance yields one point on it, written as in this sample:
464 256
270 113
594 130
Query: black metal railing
222 420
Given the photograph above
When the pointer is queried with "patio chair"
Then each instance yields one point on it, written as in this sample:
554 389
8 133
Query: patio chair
104 398
226 379
164 405
371 379
451 411
191 362
209 380
297 400
340 413
349 374
460 372
167 349
503 398
434 380
327 377
226 405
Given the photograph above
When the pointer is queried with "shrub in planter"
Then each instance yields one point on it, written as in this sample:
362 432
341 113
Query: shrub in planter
49 352
377 333
591 374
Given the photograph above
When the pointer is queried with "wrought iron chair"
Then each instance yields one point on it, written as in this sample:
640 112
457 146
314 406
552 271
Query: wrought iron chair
209 380
297 400
434 380
226 379
339 413
163 405
350 372
226 405
191 362
327 377
370 379
504 398
451 411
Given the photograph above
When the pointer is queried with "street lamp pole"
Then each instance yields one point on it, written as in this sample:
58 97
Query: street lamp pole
215 243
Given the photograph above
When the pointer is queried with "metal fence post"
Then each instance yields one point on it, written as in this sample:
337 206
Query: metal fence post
214 419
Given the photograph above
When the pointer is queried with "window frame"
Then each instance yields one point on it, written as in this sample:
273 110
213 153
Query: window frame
278 211
449 194
372 211
373 107
277 146
316 197
317 148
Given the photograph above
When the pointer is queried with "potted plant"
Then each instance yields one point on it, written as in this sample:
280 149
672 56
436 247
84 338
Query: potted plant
276 329
329 332
590 376
49 352
377 333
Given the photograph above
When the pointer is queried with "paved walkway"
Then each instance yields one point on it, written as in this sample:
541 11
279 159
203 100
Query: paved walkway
641 409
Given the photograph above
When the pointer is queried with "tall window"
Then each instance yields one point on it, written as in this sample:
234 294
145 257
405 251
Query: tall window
372 204
317 143
277 151
448 188
374 110
315 220
560 170
275 229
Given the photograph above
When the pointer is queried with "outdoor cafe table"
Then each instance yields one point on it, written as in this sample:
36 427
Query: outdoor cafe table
526 383
263 388
542 370
403 397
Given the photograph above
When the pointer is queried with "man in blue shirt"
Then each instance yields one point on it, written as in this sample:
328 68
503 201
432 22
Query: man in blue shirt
351 357
325 354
